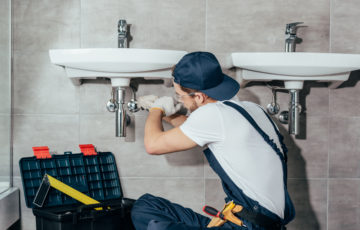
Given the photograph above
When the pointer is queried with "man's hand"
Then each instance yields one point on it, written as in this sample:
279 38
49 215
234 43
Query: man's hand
146 101
167 105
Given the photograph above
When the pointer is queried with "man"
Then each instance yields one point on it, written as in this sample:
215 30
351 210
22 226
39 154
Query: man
245 149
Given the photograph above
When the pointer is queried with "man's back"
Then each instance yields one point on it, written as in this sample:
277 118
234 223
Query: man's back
246 158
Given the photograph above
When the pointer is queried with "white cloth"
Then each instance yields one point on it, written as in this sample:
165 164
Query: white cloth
241 151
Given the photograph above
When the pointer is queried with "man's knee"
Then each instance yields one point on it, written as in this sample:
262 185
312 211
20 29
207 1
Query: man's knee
143 202
145 209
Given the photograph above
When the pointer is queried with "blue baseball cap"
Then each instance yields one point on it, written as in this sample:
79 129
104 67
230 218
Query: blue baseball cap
201 71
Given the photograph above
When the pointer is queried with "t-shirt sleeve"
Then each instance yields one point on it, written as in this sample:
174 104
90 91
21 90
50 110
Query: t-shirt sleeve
204 125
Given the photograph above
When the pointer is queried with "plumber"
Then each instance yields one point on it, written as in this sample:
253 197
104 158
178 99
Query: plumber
243 146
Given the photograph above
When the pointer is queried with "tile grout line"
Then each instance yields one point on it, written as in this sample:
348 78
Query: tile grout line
328 132
330 47
12 83
328 174
80 11
329 179
78 88
206 27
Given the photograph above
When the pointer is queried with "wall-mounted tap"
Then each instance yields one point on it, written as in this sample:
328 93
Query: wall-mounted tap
122 34
290 36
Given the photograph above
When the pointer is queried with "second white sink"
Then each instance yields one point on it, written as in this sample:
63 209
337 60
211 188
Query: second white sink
120 65
294 68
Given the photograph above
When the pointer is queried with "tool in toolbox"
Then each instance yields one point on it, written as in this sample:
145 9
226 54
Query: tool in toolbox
49 181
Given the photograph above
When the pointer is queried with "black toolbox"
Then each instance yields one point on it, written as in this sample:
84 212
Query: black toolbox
90 172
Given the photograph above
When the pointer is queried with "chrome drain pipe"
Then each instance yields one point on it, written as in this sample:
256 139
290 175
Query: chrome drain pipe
294 112
120 112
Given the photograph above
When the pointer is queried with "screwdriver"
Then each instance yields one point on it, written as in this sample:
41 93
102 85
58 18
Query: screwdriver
213 212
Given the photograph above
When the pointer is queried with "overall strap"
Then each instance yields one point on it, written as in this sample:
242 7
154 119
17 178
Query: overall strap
266 137
281 137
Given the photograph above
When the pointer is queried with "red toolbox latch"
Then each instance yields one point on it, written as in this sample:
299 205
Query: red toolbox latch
41 152
88 150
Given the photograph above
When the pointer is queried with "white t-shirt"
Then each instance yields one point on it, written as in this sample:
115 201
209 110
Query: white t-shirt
247 159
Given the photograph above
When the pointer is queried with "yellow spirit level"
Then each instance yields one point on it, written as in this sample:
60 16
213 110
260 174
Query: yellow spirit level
49 181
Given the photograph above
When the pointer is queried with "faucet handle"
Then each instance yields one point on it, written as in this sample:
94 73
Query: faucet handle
292 27
122 26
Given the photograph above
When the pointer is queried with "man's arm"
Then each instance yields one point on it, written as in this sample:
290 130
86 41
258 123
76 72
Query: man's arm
158 142
175 120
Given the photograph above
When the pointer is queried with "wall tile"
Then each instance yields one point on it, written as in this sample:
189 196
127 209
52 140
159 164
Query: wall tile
214 193
186 192
41 87
131 157
308 158
344 147
314 99
343 99
42 25
59 132
260 26
165 29
344 204
310 200
343 35
94 96
208 172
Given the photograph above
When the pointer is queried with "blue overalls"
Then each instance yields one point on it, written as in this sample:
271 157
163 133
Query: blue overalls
156 213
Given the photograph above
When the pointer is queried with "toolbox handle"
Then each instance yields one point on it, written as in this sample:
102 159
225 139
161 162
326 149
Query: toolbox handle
106 205
41 152
88 150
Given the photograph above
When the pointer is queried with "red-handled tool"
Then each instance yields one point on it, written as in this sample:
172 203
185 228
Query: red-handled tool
213 212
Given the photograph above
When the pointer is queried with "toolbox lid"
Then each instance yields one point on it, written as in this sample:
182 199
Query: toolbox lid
95 175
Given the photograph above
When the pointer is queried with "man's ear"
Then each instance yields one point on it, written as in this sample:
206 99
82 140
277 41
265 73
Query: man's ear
200 97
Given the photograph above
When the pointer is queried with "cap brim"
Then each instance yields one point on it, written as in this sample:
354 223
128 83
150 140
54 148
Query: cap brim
226 90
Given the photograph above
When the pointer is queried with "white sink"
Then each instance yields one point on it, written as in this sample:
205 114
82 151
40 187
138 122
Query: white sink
294 68
120 65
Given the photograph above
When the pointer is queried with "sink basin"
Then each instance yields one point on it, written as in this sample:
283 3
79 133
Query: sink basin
120 65
294 68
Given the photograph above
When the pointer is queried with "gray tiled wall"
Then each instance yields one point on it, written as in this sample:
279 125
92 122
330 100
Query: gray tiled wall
324 168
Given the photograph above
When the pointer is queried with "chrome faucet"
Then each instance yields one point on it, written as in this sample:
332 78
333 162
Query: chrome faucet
123 34
290 36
